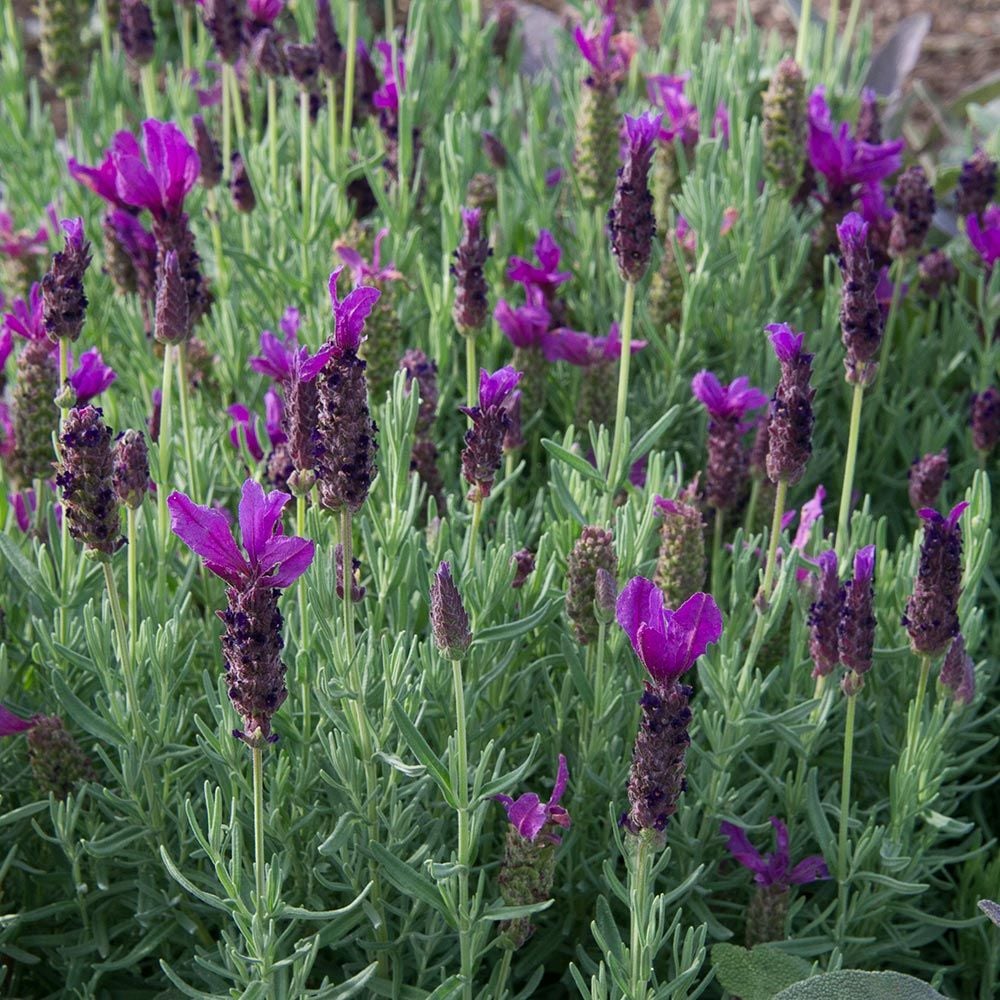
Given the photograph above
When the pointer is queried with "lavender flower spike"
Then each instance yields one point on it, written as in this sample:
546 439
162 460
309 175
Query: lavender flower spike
251 644
63 298
791 415
958 672
449 619
630 219
824 616
856 628
986 420
927 476
861 319
470 307
483 451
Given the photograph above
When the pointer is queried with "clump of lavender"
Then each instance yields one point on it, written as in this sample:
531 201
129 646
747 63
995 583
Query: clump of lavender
856 628
470 307
681 564
85 475
449 619
977 184
64 302
667 643
791 415
927 476
529 860
913 203
824 616
986 420
931 616
130 470
252 642
346 466
483 451
728 458
774 876
630 219
593 551
784 128
958 672
424 456
861 320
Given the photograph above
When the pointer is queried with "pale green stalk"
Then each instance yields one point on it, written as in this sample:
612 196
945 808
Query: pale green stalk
471 372
352 53
638 889
148 81
752 507
229 79
848 37
802 43
473 552
918 702
227 127
272 128
845 807
102 16
830 40
182 391
844 516
300 530
304 160
245 231
133 586
258 825
772 547
720 517
121 633
464 832
185 35
163 484
896 274
621 407
331 124
348 554
64 527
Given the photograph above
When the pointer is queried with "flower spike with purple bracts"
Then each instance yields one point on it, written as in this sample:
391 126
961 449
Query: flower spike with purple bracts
470 307
63 298
269 562
984 235
927 476
985 420
449 619
824 616
977 185
162 182
861 320
630 218
483 450
791 415
856 628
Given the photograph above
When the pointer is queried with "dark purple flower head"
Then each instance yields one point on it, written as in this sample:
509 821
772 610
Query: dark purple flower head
958 672
860 314
331 50
791 415
977 184
528 814
786 342
64 301
90 377
608 61
494 389
985 236
631 223
824 616
26 317
361 270
349 316
986 419
469 309
170 170
856 629
583 350
546 276
667 642
731 402
927 476
869 127
913 202
641 133
103 179
843 160
776 868
525 326
449 619
271 557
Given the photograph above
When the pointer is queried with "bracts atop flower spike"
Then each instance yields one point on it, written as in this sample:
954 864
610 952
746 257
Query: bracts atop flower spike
861 320
528 866
667 643
63 298
483 451
251 644
630 219
791 415
471 306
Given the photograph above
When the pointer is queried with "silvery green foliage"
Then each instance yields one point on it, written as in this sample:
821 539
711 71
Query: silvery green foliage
144 880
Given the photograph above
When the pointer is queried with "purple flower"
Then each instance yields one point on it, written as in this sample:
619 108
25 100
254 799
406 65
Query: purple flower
985 238
271 556
546 277
264 12
349 316
387 96
680 116
170 170
773 869
21 243
608 60
812 511
667 642
244 430
843 160
525 326
553 177
731 402
791 416
494 389
6 341
528 814
583 350
26 317
10 724
824 616
856 628
361 270
91 376
103 179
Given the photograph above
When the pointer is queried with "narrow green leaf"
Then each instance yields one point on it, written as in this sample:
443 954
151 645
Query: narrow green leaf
84 717
512 630
513 912
29 575
206 897
648 439
423 752
410 882
573 460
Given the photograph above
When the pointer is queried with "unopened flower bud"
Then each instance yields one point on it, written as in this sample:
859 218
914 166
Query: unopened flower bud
136 31
784 128
449 619
208 153
240 189
927 476
172 321
131 469
594 550
958 672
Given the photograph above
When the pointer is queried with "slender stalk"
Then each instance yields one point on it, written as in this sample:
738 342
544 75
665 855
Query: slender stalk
638 887
348 554
801 44
389 15
131 699
133 585
304 160
258 825
720 517
752 507
185 35
161 492
473 551
182 391
148 81
229 80
300 530
845 806
471 372
918 702
245 232
504 975
227 127
464 831
221 263
772 543
830 41
70 123
352 54
896 274
331 124
272 128
102 15
848 36
621 407
844 516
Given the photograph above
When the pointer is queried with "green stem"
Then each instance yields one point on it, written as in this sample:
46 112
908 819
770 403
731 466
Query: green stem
896 274
229 80
162 485
639 879
133 586
245 232
752 507
772 543
304 160
832 24
918 702
844 516
182 391
464 831
185 13
614 473
348 554
473 552
300 530
148 81
845 806
801 44
848 36
352 51
64 527
227 127
258 825
272 128
471 372
102 15
720 517
221 263
501 990
331 124
131 699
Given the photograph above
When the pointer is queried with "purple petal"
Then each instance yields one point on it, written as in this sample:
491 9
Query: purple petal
275 358
291 555
274 410
73 228
693 627
739 846
11 723
135 185
786 342
811 869
206 532
562 777
852 232
289 323
91 376
494 389
640 601
259 515
527 814
247 423
812 511
864 563
956 513
707 389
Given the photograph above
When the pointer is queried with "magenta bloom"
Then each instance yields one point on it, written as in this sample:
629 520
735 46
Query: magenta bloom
812 511
6 341
11 724
843 160
773 869
546 277
387 96
6 431
26 317
496 388
361 270
667 642
731 402
91 376
609 61
20 243
680 116
264 12
985 238
525 326
349 316
170 170
244 430
528 814
583 350
103 179
270 556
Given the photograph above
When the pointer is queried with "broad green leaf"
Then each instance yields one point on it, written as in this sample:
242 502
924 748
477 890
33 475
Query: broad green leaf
853 984
757 973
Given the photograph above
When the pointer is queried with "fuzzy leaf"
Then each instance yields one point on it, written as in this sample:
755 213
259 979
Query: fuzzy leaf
853 984
577 462
422 751
757 973
410 882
